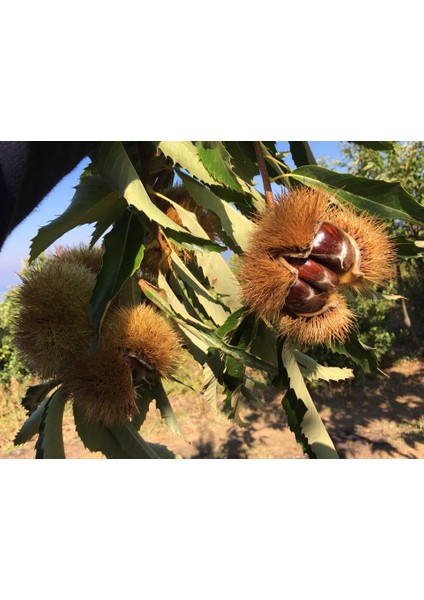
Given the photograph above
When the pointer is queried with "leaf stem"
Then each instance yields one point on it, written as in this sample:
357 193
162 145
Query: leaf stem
264 173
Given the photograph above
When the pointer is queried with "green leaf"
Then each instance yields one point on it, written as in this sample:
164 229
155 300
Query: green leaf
312 370
130 294
363 355
234 401
36 394
176 297
232 322
197 348
234 367
186 155
215 341
124 250
143 400
213 309
132 443
295 411
264 343
235 225
50 440
407 248
193 243
189 220
93 201
210 386
302 154
243 159
217 161
114 165
162 451
220 278
307 426
202 331
96 437
31 426
159 296
386 200
382 146
165 409
109 219
245 332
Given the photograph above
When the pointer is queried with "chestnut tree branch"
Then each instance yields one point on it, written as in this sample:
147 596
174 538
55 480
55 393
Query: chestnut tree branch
264 174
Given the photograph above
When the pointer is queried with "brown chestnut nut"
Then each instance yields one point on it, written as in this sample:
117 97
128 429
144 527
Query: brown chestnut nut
317 275
304 250
334 247
303 299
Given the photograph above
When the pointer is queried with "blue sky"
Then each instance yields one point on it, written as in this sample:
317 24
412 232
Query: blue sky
17 245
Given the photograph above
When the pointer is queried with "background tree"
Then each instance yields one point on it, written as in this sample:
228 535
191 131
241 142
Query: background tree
391 325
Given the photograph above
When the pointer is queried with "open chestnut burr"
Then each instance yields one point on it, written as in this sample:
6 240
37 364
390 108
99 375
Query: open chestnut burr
303 253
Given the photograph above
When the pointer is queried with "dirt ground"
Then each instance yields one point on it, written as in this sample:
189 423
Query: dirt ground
383 418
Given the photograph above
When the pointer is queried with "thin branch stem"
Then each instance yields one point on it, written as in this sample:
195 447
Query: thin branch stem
264 173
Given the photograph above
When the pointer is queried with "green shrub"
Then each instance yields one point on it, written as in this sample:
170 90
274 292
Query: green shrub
11 367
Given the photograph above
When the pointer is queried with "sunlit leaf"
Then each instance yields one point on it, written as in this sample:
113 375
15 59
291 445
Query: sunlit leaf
363 355
175 298
213 308
124 250
381 198
186 155
234 402
116 168
93 201
50 440
308 426
232 322
235 225
264 343
204 332
217 161
210 386
312 370
165 409
220 278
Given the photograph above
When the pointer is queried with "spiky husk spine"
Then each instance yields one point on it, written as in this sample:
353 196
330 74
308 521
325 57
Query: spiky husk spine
140 331
134 339
101 386
332 326
90 258
378 254
53 334
52 325
287 229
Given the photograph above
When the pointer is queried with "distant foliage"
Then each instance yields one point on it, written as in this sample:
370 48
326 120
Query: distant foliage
381 323
11 366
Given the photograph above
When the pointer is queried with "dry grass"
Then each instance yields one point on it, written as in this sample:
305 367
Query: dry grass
12 414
